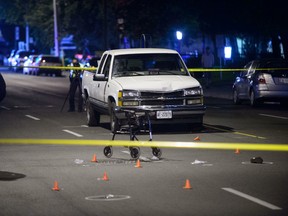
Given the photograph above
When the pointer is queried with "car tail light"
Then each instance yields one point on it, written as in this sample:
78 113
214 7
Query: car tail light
261 79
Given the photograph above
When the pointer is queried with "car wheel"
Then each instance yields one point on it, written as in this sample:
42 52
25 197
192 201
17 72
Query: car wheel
236 99
253 101
93 117
114 122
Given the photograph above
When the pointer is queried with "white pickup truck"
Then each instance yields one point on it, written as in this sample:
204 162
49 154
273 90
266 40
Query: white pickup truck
154 81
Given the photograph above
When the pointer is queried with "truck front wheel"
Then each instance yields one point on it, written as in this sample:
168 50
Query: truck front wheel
114 122
93 117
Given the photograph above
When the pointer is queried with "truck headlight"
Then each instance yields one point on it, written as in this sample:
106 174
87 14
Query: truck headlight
193 91
128 98
130 93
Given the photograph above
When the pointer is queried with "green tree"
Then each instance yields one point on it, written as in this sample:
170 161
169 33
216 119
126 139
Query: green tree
160 19
83 19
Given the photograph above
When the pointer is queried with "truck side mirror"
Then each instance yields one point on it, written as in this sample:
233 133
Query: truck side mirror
99 77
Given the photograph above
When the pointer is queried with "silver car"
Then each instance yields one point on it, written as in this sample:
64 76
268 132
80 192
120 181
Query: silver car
262 80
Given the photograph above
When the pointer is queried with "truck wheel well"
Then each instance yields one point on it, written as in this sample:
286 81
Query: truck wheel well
85 94
111 99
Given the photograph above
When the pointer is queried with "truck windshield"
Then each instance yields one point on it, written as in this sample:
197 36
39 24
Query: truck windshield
148 65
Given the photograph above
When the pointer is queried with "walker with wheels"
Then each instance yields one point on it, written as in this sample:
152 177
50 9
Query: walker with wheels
136 123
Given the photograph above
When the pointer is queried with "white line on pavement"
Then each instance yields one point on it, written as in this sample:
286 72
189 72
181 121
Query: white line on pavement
215 107
273 116
6 108
73 133
253 199
32 117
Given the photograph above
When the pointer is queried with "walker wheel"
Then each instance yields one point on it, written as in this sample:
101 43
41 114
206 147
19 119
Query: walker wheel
108 151
157 152
135 152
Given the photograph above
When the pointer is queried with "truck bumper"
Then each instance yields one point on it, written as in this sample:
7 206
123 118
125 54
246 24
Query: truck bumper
178 114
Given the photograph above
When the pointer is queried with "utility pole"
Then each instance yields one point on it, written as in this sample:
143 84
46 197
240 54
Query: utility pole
105 25
56 45
27 37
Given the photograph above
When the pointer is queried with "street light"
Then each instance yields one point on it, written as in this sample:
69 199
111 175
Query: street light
227 52
179 37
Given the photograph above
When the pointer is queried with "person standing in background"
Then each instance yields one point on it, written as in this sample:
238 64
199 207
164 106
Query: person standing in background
208 63
75 82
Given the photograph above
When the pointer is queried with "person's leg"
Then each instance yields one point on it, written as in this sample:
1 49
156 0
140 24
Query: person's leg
80 99
73 88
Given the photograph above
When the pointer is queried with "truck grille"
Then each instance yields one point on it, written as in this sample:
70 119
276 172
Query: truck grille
162 99
161 102
161 95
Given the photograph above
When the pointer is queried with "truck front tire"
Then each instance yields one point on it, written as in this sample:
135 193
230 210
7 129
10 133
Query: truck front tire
93 117
114 122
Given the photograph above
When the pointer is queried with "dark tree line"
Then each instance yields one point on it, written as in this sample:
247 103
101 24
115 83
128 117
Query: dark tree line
97 21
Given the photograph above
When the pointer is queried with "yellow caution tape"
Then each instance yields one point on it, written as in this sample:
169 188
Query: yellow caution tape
230 69
159 144
189 69
56 67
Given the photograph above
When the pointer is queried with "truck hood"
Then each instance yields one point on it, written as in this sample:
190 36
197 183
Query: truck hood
163 83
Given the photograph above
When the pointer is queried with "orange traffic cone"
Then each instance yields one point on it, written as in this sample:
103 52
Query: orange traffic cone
138 165
56 187
197 138
94 159
237 151
105 177
187 184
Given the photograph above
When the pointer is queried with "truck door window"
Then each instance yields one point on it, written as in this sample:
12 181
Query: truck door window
107 66
99 71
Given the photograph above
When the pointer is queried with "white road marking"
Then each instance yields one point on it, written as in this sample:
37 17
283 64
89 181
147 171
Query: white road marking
75 126
6 108
32 117
273 116
265 162
73 133
253 199
214 107
21 107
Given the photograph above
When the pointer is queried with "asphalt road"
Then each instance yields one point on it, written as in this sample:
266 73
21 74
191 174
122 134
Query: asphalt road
222 182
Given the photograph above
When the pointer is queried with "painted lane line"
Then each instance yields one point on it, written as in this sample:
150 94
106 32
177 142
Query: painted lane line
6 108
73 133
235 132
75 126
253 199
274 116
32 117
214 107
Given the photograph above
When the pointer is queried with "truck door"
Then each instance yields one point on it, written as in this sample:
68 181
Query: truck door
100 91
94 86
